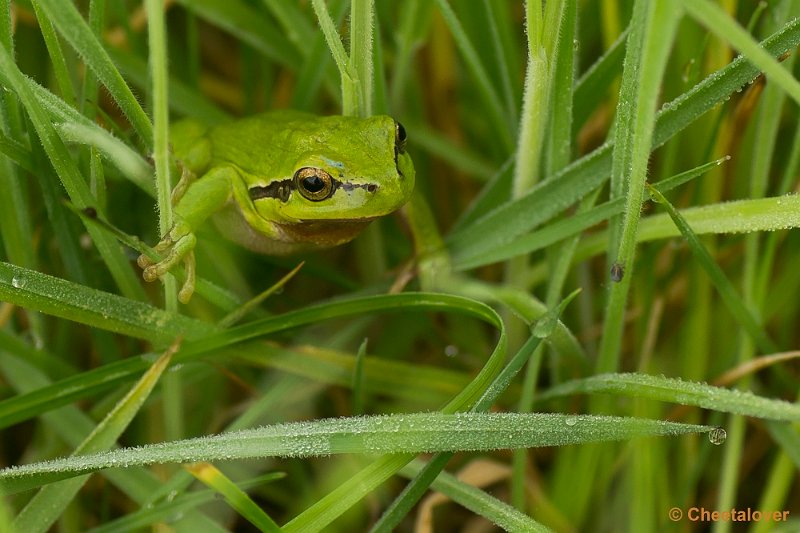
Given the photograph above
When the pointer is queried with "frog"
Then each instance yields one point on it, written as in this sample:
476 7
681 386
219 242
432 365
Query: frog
280 183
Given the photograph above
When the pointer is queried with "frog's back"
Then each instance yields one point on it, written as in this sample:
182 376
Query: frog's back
256 143
267 145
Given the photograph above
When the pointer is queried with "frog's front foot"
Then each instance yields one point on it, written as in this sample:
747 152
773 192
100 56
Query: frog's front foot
177 245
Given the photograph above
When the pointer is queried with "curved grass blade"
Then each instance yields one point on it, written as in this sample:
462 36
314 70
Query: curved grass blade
403 503
114 313
336 502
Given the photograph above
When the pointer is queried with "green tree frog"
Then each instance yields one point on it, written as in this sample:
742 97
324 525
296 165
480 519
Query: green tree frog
282 182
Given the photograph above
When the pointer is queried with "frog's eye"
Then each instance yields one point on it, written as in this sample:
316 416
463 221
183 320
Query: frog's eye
313 183
399 138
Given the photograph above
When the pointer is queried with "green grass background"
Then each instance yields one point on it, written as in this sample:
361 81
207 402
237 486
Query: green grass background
601 240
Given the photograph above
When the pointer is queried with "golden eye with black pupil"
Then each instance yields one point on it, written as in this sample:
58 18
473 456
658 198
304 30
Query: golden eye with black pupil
313 183
399 137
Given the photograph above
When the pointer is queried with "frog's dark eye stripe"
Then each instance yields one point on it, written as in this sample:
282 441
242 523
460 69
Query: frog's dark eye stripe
312 183
277 189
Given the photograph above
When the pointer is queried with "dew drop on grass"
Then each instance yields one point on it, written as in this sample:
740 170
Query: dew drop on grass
717 436
17 282
545 326
571 421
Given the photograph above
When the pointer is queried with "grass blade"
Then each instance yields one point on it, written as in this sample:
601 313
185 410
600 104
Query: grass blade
236 497
249 25
726 289
404 433
70 176
678 391
48 504
361 37
573 225
487 90
641 82
558 192
718 21
478 501
76 31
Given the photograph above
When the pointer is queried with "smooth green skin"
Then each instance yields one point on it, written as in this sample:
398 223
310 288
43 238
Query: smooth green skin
222 163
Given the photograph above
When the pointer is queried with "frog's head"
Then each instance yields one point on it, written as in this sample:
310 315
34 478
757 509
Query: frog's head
348 171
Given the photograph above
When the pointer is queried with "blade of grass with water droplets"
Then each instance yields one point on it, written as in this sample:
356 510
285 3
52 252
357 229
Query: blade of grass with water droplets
678 391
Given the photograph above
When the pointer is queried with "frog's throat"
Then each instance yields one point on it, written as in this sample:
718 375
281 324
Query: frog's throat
323 233
284 238
282 189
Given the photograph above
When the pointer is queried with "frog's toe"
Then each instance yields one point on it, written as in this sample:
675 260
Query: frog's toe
143 261
187 178
163 247
176 251
150 273
185 294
